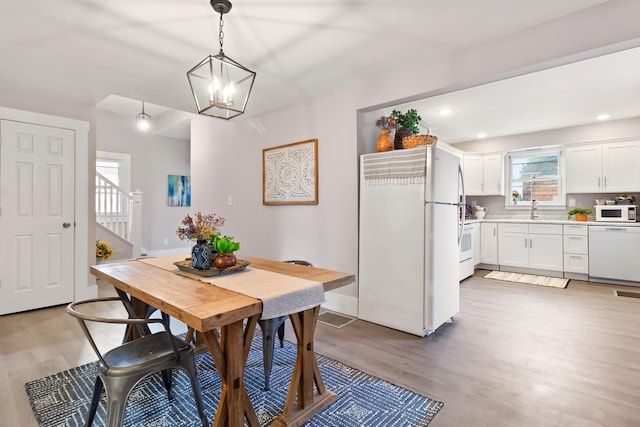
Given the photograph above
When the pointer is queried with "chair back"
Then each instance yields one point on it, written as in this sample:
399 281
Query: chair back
299 262
96 304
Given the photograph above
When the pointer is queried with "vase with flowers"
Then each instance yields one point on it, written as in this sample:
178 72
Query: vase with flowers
200 227
103 251
386 124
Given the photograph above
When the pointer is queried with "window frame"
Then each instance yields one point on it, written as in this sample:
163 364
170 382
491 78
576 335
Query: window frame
535 152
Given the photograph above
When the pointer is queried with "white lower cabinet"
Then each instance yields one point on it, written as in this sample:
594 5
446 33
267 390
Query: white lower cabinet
536 246
488 243
476 244
576 249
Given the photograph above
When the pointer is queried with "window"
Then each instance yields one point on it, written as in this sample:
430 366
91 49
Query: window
112 180
535 175
116 167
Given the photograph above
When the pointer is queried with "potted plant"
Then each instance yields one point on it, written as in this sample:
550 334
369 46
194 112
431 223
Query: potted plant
580 213
408 124
225 246
103 251
199 228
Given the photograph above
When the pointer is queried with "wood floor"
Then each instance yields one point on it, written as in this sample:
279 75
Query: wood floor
516 355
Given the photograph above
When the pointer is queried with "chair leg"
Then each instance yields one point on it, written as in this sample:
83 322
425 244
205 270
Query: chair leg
118 389
97 393
269 328
281 334
167 377
188 364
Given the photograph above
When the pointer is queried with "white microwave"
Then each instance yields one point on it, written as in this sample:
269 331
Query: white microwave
616 213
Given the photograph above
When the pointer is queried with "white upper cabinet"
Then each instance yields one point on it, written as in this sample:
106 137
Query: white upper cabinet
603 167
483 174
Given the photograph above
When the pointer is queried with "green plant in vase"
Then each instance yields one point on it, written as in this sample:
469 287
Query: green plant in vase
408 124
580 213
225 246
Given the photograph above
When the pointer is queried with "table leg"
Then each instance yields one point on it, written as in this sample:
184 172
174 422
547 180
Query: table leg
302 401
136 309
230 350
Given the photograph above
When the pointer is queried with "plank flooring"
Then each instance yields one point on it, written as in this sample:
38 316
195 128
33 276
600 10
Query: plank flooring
516 355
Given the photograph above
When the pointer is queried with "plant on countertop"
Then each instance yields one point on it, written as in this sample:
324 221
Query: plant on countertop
409 120
199 227
578 211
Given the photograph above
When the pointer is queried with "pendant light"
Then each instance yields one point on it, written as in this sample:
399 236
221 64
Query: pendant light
220 86
143 120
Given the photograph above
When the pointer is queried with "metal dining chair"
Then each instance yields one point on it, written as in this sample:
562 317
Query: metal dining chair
122 367
269 328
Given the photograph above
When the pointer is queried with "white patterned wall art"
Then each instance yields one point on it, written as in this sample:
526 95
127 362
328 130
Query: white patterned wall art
290 174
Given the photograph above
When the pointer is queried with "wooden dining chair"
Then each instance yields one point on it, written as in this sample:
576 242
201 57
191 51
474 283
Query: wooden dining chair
121 367
271 327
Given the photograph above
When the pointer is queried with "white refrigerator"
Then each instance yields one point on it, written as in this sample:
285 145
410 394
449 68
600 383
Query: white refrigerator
410 229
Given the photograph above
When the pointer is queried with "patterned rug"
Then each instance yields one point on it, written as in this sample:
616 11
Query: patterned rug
556 282
62 399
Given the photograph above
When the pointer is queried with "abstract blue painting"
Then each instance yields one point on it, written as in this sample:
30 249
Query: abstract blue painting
179 190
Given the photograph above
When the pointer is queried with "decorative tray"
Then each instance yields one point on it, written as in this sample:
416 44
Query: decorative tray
186 267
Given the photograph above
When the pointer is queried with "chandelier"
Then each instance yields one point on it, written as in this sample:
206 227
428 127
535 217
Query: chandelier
220 86
143 120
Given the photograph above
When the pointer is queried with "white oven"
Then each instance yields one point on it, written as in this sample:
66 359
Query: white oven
466 252
616 213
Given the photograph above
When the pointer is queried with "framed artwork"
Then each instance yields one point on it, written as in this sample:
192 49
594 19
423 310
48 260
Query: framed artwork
179 190
290 174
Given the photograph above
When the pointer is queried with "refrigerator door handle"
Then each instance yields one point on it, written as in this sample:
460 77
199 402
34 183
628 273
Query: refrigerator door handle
462 197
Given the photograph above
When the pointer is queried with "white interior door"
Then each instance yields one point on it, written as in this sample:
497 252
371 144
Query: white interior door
36 216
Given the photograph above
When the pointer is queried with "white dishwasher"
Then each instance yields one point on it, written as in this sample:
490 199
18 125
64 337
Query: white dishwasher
613 253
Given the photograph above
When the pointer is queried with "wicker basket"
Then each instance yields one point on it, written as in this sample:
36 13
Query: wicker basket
413 141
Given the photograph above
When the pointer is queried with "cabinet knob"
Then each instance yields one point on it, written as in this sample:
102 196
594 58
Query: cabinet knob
66 224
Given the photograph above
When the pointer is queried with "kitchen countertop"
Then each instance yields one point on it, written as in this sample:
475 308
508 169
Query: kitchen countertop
549 221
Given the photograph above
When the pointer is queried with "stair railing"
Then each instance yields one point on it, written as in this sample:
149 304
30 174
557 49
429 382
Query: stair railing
119 211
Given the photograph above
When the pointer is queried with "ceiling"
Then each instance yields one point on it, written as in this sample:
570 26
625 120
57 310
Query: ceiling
117 53
568 95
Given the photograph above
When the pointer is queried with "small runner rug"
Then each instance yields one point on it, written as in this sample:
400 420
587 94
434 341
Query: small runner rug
363 400
531 279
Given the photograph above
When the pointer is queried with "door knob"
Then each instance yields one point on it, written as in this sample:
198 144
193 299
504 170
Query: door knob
66 224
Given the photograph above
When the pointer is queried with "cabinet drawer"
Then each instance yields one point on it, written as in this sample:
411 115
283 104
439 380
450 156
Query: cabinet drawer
575 263
513 228
545 228
576 245
576 230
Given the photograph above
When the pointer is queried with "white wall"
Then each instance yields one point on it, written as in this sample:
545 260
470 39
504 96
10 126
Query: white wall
226 157
153 158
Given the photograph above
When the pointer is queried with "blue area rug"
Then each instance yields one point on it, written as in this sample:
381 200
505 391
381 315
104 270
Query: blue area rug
62 399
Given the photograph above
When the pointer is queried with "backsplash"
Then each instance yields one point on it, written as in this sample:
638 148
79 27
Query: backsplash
496 210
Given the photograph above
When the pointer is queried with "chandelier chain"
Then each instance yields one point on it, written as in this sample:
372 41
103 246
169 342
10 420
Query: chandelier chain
221 32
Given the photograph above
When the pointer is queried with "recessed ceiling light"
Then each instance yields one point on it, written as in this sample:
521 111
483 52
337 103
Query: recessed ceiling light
446 111
482 135
603 116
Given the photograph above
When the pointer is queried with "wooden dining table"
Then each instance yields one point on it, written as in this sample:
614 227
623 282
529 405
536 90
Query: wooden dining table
204 308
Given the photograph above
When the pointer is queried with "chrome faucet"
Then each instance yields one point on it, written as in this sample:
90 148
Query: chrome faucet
534 208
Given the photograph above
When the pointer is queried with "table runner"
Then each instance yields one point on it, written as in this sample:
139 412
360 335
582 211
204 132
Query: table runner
280 294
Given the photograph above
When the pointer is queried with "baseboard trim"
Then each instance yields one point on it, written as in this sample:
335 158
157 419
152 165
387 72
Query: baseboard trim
341 303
